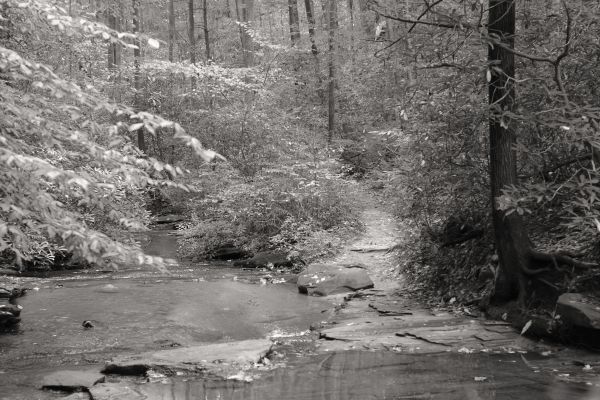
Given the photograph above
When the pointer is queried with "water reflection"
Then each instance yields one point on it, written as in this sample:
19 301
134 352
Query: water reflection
384 375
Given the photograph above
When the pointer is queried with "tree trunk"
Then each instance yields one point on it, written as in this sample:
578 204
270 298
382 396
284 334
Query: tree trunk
206 37
332 14
308 5
512 242
192 37
114 50
244 10
171 28
191 31
310 16
294 22
136 71
367 24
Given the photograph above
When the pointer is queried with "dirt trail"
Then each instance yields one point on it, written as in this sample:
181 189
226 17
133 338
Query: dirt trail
373 248
386 318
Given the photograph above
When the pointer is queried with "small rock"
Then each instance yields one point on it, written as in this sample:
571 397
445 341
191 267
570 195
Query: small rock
109 288
8 319
87 324
14 310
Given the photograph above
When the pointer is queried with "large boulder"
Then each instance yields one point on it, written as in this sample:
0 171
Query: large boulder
326 279
276 259
578 310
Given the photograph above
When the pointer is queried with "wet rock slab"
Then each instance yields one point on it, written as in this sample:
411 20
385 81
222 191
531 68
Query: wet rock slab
378 375
378 322
116 391
327 279
219 359
72 380
77 396
390 307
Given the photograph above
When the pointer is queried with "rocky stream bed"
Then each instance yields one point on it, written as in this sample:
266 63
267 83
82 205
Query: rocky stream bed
344 329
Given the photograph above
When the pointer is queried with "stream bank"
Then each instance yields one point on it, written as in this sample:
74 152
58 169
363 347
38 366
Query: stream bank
217 332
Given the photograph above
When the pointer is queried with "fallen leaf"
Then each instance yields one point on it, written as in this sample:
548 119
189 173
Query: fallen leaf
526 327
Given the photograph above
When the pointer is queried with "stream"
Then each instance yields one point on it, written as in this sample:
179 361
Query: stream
140 309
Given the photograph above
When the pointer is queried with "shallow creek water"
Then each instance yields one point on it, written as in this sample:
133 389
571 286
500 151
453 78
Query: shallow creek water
137 310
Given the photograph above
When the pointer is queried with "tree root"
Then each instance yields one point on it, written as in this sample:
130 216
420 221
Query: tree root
560 258
556 259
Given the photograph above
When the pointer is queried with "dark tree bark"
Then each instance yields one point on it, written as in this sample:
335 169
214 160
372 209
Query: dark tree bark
310 16
206 33
244 10
171 28
332 27
191 31
114 50
136 71
512 243
192 37
294 22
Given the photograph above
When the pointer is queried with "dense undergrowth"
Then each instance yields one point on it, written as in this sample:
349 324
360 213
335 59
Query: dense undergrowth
300 208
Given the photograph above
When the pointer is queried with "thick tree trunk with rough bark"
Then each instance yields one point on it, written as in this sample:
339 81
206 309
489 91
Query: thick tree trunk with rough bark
512 243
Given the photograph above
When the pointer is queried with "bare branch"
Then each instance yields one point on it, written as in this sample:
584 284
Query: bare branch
387 47
429 7
457 25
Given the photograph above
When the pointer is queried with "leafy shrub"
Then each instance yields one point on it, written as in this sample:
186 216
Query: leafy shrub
202 238
281 208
